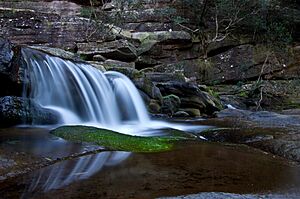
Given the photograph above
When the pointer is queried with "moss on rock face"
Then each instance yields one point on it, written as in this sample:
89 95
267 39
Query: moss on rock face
116 141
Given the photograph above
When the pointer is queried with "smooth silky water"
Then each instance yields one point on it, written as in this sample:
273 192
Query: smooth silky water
84 95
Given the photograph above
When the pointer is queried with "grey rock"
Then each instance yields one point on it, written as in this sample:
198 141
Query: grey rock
6 55
181 114
191 96
17 110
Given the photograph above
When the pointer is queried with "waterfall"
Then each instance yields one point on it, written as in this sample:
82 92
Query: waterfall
83 94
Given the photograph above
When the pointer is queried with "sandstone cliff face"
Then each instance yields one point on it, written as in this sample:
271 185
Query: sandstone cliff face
148 42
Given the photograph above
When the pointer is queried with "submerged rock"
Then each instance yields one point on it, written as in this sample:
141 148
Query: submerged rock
18 110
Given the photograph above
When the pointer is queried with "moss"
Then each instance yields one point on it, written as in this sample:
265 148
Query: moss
213 93
172 96
116 141
243 94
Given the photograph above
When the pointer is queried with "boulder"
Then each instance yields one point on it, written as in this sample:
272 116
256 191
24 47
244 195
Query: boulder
148 87
181 114
191 96
18 110
192 112
154 106
171 104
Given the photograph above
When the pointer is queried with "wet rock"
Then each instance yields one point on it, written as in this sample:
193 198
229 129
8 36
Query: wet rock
148 87
17 110
171 104
181 114
98 65
154 106
145 97
8 71
272 132
6 55
191 96
192 112
131 73
57 52
262 118
12 74
233 101
140 81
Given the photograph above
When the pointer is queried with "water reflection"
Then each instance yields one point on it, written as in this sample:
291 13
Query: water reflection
64 173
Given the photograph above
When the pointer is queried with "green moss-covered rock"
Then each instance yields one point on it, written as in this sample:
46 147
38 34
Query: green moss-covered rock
171 104
116 141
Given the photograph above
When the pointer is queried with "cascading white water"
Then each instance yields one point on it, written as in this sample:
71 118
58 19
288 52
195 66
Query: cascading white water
82 93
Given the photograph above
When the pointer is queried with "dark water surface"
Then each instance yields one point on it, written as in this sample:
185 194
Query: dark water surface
192 167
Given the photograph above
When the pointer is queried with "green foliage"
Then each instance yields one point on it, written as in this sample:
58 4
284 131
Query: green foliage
243 93
86 12
212 21
117 141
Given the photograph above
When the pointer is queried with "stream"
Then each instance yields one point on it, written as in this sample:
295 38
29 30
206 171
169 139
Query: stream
191 167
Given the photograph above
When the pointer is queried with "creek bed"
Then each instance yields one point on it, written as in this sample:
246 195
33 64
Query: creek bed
192 167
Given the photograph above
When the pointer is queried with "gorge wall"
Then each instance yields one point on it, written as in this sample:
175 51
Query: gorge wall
170 66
